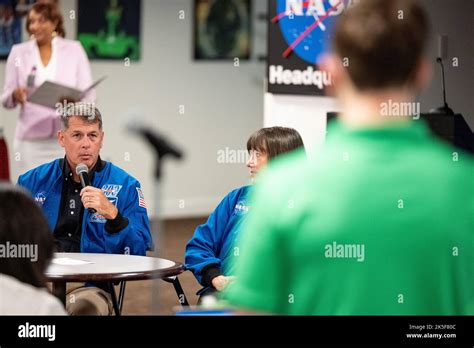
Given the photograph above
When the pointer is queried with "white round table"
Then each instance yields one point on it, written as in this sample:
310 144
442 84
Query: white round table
108 268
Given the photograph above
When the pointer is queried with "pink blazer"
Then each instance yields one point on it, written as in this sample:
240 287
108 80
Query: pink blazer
72 69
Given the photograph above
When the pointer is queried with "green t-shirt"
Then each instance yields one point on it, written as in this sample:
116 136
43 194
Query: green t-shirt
380 223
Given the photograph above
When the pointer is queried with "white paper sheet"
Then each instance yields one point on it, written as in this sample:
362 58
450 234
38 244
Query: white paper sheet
66 261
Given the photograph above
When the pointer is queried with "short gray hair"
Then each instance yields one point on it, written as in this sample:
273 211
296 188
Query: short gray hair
87 111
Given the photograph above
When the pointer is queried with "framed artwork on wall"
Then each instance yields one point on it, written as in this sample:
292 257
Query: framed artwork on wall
222 29
11 14
110 29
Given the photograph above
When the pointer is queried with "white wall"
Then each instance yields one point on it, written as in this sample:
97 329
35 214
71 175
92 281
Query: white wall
304 113
223 106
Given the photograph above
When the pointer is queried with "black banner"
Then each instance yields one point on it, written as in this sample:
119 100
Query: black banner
429 331
299 34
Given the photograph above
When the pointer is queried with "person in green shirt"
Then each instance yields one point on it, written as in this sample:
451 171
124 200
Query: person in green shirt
381 222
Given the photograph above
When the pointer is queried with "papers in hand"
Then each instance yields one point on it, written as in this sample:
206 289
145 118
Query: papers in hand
66 261
50 93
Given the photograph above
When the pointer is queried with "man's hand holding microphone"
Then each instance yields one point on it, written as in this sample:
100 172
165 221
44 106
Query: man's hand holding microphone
94 198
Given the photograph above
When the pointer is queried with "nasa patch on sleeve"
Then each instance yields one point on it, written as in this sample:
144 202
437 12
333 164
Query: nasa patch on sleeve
40 198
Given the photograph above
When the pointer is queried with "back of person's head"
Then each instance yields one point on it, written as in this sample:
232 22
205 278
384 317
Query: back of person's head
24 236
50 12
274 141
382 41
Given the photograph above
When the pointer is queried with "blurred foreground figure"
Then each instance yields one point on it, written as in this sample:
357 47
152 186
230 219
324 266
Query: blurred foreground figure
26 248
381 223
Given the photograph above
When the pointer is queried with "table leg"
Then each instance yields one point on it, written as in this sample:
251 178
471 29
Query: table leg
59 290
114 299
179 290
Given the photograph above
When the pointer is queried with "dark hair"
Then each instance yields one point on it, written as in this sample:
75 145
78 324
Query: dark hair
51 13
382 40
22 223
274 141
87 111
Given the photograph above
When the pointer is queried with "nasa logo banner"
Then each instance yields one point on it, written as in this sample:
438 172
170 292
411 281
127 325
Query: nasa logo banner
299 33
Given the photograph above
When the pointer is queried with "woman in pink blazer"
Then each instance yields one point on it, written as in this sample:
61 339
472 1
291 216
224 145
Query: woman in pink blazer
47 56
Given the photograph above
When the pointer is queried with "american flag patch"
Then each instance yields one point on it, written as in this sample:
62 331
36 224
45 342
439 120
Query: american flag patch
141 198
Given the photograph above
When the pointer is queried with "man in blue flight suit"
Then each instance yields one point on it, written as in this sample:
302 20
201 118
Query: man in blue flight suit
109 216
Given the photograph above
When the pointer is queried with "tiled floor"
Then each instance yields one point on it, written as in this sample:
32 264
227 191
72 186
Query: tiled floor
138 295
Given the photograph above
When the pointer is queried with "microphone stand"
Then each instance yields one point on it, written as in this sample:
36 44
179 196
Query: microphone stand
445 109
162 149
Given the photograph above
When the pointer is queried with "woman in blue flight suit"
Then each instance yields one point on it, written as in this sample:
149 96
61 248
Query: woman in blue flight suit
209 253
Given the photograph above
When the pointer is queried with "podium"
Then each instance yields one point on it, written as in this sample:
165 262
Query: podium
451 128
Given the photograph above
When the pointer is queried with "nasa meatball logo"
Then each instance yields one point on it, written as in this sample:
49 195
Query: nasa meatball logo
40 198
299 35
241 208
306 25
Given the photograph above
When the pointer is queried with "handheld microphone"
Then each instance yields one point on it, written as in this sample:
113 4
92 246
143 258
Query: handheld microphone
83 173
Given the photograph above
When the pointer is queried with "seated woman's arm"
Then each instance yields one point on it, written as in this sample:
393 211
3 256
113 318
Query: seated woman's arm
202 251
